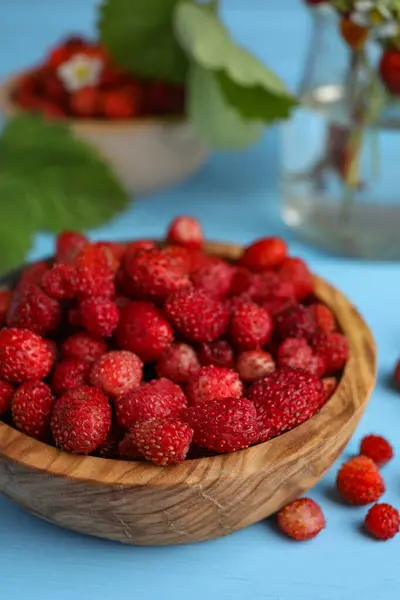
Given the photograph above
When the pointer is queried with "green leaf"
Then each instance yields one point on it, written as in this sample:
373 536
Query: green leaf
50 180
255 91
217 123
140 36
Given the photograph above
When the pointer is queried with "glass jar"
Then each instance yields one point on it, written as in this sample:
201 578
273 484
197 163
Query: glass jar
340 174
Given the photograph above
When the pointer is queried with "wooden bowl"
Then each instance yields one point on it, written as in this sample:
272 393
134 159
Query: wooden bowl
140 503
147 154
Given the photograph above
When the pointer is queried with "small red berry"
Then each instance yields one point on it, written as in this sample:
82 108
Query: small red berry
59 282
376 448
382 521
250 326
323 316
24 356
296 322
330 384
33 273
219 354
162 441
334 350
389 69
68 246
86 102
298 354
121 103
263 254
5 300
31 408
185 231
110 447
117 372
69 374
301 519
253 365
83 346
95 271
215 279
99 316
212 383
31 308
127 449
6 393
397 374
359 481
179 363
296 272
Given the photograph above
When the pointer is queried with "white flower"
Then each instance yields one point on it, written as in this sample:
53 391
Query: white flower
80 71
364 5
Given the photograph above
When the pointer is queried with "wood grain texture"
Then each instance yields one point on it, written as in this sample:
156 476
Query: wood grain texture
140 503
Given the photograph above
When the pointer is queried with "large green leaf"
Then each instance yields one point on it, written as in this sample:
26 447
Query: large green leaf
255 91
140 36
216 122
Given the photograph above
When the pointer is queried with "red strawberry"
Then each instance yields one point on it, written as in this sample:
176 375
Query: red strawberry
68 246
123 103
24 356
295 271
81 420
285 399
99 316
138 245
250 326
83 346
86 102
330 384
274 304
143 330
185 231
253 365
117 372
6 393
397 374
59 282
334 350
159 399
302 519
219 354
298 354
376 448
223 425
323 316
68 375
263 254
215 279
197 315
255 286
389 69
127 449
163 441
359 481
5 300
296 322
110 447
32 274
179 363
95 269
31 308
212 383
383 521
31 408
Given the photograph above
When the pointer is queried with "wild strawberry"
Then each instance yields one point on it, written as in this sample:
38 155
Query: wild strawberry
285 399
59 282
53 88
179 363
219 354
31 308
94 272
69 374
223 425
397 374
121 103
301 519
253 286
382 521
296 322
263 254
359 481
99 316
82 346
143 330
253 365
81 420
334 350
110 447
117 372
212 383
138 245
5 300
24 356
33 273
68 246
115 250
155 275
86 102
376 448
297 273
197 315
250 326
330 384
127 449
389 69
31 408
274 304
6 393
158 399
215 279
185 231
162 441
298 354
323 316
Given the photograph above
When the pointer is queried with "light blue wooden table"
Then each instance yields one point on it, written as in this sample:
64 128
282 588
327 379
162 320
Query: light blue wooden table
41 562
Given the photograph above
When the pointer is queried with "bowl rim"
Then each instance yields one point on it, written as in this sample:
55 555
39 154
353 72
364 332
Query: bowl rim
11 109
355 385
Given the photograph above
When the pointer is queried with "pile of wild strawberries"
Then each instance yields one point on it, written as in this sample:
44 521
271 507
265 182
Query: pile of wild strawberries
79 79
359 482
136 351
